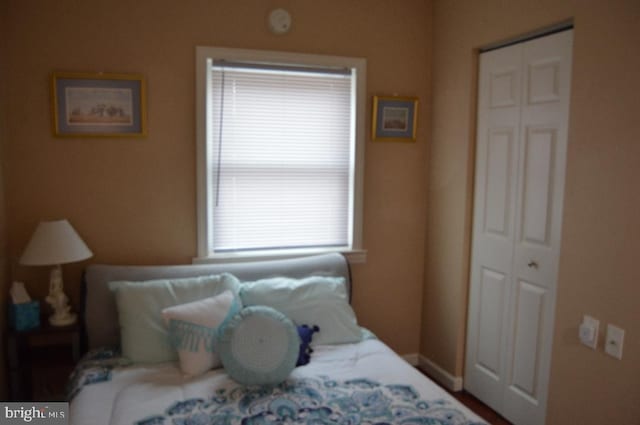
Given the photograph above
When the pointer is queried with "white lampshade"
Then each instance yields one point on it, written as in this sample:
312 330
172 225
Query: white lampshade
54 242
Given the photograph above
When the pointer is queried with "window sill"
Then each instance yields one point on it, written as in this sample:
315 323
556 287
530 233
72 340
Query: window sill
354 256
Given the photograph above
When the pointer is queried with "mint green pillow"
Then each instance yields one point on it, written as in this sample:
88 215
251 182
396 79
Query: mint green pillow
316 300
258 346
143 335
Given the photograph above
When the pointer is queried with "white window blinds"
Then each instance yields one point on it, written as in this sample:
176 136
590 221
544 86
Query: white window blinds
280 156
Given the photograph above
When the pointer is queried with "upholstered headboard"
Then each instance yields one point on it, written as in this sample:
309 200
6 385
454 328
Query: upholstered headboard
99 308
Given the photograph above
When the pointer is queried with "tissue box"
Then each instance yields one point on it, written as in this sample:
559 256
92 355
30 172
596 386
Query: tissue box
24 316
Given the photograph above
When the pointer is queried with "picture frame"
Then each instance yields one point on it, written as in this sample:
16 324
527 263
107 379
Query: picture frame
98 104
395 119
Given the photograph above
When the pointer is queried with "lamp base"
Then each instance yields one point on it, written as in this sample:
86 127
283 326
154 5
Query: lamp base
62 315
67 320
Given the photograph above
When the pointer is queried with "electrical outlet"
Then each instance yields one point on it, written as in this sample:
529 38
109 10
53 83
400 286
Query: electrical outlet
614 341
588 331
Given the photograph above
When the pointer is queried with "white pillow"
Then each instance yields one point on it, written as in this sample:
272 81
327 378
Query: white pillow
193 330
315 300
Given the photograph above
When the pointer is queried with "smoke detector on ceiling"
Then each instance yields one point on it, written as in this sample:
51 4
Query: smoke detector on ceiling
279 21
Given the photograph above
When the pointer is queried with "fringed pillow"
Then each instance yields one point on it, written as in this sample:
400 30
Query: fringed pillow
193 329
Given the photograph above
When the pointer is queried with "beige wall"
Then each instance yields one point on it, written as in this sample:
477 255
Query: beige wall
601 233
133 200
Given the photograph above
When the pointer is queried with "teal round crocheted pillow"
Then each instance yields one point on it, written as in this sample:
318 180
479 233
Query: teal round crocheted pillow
259 346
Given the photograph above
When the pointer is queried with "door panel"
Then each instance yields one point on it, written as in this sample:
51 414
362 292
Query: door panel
528 318
498 202
541 167
504 87
539 150
492 304
494 229
544 81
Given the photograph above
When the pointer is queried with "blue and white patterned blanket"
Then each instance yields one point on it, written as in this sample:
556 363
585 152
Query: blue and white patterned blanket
363 383
314 401
96 366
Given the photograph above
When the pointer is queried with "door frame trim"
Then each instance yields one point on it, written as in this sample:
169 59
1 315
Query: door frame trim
552 29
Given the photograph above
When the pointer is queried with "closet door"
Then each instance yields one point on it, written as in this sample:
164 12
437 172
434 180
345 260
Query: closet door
493 223
520 169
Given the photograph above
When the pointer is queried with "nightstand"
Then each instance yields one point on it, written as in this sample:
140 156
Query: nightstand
41 360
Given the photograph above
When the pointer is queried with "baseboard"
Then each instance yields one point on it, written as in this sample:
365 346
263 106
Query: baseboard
441 376
412 359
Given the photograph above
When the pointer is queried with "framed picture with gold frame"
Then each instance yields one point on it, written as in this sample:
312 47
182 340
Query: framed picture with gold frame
394 119
98 104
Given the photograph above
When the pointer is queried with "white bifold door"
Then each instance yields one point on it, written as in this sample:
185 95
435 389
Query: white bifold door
523 110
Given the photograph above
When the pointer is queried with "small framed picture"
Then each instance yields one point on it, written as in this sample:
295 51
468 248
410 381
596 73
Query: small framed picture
98 105
394 118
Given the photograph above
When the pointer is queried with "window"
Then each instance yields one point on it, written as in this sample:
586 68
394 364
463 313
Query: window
280 153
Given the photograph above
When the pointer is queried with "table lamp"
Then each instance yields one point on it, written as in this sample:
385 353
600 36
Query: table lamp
54 243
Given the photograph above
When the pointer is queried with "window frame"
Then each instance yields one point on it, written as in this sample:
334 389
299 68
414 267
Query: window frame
204 56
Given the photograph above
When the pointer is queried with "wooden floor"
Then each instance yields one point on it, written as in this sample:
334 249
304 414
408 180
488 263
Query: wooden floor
475 405
480 409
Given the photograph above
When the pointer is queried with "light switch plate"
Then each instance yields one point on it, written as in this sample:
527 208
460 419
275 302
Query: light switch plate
588 331
614 341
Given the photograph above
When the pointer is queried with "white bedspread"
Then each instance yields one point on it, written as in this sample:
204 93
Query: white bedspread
376 382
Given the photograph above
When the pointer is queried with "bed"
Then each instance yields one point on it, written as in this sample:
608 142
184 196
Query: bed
349 378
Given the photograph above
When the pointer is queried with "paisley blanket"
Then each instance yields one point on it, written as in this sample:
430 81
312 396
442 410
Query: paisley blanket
318 400
94 367
350 384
